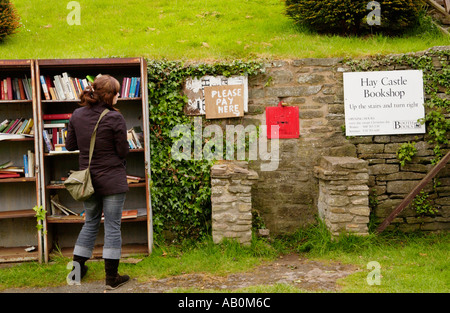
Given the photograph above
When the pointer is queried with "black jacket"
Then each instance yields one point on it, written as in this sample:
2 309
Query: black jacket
108 166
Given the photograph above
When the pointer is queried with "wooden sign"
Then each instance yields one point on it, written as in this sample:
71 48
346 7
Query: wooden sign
224 101
287 118
194 90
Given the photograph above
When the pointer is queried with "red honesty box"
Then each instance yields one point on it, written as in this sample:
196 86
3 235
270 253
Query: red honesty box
287 118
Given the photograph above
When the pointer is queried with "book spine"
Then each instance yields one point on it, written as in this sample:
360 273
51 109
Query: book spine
4 124
25 165
9 129
22 127
30 163
25 89
57 116
29 126
66 85
9 88
21 89
44 88
72 86
133 87
47 140
124 82
138 84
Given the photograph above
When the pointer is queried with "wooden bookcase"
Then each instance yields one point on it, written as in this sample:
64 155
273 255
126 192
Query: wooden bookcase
19 194
61 232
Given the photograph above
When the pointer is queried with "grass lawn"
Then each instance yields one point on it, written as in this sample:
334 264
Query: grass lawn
186 30
414 263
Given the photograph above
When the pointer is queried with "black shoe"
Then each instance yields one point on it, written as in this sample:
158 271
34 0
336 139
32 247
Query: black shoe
113 279
115 282
81 261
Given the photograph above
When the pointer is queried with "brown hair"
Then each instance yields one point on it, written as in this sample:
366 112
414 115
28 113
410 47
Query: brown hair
104 89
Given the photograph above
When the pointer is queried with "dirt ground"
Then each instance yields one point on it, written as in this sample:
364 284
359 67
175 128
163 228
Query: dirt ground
290 269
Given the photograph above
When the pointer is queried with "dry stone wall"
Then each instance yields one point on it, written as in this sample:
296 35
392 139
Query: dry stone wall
231 201
343 202
287 198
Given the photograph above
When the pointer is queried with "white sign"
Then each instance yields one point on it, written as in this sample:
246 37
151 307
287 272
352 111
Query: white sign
194 90
384 103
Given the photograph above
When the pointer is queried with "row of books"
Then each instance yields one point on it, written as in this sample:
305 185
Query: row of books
64 87
18 126
55 131
131 87
8 170
135 138
14 88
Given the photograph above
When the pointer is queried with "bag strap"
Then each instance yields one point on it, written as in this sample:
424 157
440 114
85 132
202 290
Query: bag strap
94 134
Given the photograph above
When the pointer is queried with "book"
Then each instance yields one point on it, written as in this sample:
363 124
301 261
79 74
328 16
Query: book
44 87
56 116
25 165
136 139
129 214
10 169
134 179
29 127
9 91
54 125
22 127
10 175
11 125
90 78
56 205
4 124
6 164
14 129
47 141
138 84
30 166
59 89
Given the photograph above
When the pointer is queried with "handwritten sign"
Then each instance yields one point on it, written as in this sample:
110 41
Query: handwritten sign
384 103
224 101
194 90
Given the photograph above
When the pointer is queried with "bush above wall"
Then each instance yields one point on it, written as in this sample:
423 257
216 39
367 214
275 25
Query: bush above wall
349 17
9 19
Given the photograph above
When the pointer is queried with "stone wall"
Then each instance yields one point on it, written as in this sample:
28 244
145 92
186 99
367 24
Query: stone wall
231 201
343 202
287 198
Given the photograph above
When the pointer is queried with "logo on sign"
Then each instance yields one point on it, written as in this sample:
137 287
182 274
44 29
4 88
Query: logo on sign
406 124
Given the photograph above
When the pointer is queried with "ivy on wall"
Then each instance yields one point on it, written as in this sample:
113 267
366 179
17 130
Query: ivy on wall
180 189
436 86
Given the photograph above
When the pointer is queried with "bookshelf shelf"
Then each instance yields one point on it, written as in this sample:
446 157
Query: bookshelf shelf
17 214
15 101
19 194
74 219
17 139
78 100
18 180
18 254
62 231
61 186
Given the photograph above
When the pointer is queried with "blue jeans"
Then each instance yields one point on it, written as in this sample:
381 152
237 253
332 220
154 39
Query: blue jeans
111 206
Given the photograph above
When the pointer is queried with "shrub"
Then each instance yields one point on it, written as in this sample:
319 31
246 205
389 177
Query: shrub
349 17
9 19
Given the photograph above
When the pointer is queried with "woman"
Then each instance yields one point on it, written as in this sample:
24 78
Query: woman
108 173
